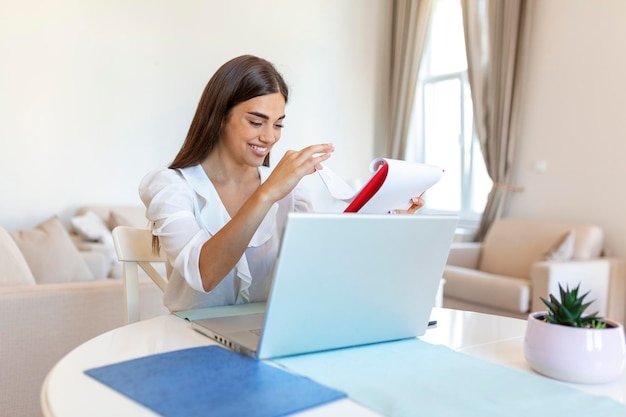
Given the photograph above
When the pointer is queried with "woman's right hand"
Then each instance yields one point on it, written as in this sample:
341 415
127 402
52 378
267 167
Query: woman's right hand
293 166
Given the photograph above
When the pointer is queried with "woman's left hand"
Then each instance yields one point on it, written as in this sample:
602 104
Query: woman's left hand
416 204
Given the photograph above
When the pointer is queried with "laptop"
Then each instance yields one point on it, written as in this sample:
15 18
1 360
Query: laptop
343 280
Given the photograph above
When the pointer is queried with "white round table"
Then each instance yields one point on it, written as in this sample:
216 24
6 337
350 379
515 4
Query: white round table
68 392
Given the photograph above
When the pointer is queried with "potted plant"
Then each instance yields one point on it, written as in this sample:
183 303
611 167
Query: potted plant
566 344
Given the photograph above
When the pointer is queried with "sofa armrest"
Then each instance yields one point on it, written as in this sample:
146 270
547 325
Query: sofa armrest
97 262
465 254
593 275
39 324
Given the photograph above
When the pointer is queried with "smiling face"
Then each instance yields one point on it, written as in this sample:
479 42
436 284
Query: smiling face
251 129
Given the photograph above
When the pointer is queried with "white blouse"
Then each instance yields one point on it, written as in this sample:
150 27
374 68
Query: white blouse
185 210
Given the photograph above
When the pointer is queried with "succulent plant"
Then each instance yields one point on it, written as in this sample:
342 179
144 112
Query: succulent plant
569 311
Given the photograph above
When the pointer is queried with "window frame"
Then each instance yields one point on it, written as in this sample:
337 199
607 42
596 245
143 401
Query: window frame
467 140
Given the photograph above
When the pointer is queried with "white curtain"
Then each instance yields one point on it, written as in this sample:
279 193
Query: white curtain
409 30
495 33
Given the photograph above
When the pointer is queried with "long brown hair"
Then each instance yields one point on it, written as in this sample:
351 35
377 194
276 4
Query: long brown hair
238 80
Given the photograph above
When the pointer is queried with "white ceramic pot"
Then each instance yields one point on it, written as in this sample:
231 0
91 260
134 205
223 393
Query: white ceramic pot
574 354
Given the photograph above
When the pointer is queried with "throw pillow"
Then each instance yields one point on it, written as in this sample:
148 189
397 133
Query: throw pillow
51 254
90 227
13 267
562 250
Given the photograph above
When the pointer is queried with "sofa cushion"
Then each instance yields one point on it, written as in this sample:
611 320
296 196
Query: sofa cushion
51 254
13 267
495 291
512 245
589 242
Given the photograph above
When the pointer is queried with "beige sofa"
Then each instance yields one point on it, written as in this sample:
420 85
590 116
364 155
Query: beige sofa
50 303
523 260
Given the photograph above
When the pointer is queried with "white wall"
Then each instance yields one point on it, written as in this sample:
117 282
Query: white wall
94 94
574 117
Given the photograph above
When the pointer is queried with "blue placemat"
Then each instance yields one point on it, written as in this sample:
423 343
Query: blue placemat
415 378
213 381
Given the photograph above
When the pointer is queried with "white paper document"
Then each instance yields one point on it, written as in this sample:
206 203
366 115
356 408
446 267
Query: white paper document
392 185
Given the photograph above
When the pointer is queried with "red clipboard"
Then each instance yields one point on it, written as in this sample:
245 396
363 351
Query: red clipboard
368 191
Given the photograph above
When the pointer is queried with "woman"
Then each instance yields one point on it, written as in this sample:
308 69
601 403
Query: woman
218 211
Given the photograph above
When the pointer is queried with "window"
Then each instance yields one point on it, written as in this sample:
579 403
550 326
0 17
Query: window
442 124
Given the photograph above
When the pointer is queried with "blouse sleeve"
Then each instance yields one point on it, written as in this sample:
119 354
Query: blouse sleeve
170 204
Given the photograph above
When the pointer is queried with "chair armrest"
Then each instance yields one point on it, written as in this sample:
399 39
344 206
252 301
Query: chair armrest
593 275
465 254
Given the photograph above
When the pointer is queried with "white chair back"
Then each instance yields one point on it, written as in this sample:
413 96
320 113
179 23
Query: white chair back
133 247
